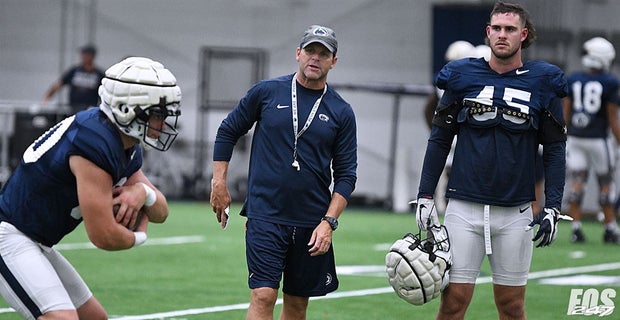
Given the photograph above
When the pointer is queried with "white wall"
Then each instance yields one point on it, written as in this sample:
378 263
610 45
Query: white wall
380 41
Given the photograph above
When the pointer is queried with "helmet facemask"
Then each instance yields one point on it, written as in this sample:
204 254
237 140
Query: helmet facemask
166 115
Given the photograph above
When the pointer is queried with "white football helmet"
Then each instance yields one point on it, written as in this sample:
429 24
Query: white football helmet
598 53
418 269
483 51
137 89
460 49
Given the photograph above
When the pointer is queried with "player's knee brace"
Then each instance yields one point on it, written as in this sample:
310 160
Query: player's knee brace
604 179
579 176
575 196
605 199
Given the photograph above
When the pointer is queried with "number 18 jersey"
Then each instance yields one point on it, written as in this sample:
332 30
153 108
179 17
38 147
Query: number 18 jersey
590 93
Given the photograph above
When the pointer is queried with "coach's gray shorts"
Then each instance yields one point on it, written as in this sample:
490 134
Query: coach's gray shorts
477 230
36 279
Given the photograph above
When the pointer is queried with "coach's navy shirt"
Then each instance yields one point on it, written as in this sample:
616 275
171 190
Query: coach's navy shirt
494 159
40 197
83 86
277 192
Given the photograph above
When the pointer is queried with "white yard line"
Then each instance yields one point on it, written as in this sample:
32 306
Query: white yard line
149 242
336 295
365 292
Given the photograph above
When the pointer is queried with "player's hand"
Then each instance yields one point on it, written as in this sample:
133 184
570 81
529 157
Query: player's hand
548 226
220 201
129 199
321 239
425 213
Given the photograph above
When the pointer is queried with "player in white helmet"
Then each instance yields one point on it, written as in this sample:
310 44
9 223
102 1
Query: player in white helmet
598 54
591 111
136 89
482 51
80 170
459 49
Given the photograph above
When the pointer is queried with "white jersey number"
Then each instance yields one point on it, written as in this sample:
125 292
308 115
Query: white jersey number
509 95
590 102
51 136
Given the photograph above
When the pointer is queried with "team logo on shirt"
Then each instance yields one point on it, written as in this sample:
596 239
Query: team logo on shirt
518 72
323 117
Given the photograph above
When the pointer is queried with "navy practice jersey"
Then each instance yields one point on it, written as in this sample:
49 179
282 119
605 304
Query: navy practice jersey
40 198
590 93
277 192
498 117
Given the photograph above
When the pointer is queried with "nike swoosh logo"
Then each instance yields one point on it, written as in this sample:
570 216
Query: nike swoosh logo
518 72
524 209
279 106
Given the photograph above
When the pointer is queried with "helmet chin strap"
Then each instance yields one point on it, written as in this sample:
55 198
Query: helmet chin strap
149 143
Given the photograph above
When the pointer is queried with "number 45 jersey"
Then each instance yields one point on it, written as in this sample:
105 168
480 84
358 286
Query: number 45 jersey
498 122
40 197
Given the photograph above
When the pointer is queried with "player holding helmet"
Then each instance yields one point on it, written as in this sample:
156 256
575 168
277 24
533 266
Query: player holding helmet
501 111
77 171
591 110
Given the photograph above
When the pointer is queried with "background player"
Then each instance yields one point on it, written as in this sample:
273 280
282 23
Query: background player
83 81
77 171
501 111
459 49
304 130
591 111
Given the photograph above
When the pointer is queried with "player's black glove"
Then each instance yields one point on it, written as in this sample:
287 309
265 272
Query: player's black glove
548 226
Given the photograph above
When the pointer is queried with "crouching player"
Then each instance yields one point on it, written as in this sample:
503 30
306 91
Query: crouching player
79 170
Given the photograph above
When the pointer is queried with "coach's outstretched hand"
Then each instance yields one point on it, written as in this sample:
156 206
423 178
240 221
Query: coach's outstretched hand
548 226
425 213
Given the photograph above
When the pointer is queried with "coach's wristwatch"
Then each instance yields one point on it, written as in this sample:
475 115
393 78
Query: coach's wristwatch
333 222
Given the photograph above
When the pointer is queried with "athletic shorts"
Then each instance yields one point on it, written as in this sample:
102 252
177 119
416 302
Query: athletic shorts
273 250
35 279
499 233
585 153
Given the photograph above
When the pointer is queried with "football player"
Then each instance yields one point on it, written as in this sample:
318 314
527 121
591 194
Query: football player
501 111
77 171
591 111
